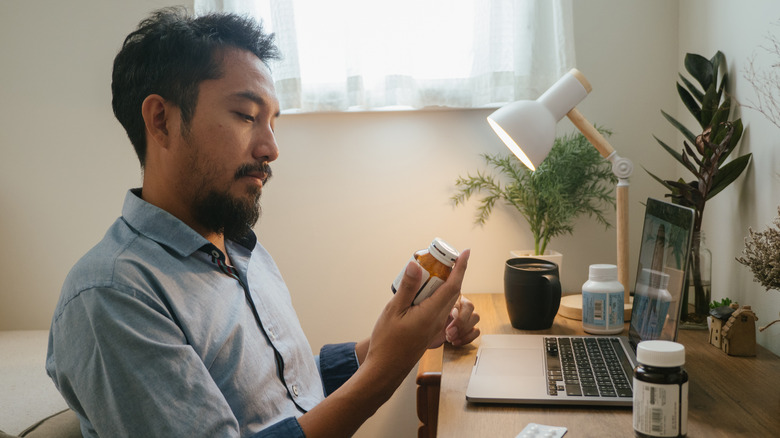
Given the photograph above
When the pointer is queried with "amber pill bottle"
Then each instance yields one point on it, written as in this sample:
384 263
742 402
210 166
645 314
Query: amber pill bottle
436 262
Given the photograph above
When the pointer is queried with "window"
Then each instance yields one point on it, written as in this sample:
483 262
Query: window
357 55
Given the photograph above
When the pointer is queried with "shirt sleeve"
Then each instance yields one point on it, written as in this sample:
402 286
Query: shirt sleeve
338 362
101 340
287 428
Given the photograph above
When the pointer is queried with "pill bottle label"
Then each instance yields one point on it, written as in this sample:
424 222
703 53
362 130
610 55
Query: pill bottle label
660 410
428 285
426 290
602 310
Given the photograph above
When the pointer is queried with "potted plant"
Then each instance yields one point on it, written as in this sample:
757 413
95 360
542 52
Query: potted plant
573 180
704 155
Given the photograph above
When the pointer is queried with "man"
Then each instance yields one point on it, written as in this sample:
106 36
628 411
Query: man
178 322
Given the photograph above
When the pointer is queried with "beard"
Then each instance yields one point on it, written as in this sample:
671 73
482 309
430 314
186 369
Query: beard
231 216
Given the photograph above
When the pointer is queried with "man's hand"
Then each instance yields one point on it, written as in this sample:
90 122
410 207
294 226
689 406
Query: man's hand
461 325
401 335
403 332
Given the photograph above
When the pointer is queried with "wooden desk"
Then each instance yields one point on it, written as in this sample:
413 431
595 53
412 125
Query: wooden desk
728 396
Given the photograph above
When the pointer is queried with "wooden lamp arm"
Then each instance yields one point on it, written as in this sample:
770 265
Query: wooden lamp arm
622 168
591 133
622 238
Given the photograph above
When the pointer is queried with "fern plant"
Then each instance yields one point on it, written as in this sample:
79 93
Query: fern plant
573 180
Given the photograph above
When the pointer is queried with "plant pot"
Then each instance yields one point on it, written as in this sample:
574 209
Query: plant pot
549 255
698 288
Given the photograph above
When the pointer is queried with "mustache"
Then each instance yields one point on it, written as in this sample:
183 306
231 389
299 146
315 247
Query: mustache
255 168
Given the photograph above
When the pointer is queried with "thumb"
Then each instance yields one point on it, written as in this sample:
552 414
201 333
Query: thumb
410 284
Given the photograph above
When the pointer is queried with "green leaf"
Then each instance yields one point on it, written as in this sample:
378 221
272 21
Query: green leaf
680 127
695 92
683 193
716 304
700 68
723 85
663 182
738 130
721 115
689 101
708 107
728 173
677 156
719 132
718 62
691 168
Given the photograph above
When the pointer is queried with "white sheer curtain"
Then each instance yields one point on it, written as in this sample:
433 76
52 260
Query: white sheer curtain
354 55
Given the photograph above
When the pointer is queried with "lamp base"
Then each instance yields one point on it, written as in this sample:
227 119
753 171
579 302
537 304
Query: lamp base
571 307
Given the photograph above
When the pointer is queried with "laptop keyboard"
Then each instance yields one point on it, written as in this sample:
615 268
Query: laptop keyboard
589 367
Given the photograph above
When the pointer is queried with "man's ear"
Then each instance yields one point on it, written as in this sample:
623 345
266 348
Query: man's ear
156 112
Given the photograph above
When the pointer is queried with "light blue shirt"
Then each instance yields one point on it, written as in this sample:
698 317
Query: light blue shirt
154 335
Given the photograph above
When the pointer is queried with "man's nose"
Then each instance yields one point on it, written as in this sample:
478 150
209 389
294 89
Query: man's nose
265 147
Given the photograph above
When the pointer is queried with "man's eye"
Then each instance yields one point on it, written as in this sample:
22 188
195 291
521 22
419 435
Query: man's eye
246 117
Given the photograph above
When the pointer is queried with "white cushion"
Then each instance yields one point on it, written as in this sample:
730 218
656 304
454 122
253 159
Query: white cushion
27 394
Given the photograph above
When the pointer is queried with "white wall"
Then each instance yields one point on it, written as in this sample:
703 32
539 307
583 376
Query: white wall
353 194
738 29
66 161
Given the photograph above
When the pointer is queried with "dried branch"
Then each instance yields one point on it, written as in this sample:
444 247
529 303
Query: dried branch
766 83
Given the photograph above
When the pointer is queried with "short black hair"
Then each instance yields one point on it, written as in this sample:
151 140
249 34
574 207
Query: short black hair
170 54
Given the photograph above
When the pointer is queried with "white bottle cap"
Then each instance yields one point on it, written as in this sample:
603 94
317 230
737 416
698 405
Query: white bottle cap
443 252
602 273
660 354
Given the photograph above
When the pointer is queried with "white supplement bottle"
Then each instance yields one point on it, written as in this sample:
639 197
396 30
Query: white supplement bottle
602 301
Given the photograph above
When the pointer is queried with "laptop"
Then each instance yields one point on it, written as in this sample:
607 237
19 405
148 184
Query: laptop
594 370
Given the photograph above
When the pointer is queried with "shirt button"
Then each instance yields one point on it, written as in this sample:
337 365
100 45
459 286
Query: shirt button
271 334
215 253
295 390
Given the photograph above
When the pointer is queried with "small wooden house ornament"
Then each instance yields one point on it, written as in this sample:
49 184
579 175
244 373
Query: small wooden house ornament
736 334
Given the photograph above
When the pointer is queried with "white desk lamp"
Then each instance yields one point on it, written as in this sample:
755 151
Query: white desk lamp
527 127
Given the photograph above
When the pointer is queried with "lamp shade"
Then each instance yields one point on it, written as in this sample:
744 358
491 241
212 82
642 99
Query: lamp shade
527 127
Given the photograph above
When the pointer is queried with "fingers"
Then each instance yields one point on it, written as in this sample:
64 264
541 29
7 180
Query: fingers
467 339
459 269
457 336
451 331
462 329
447 295
410 284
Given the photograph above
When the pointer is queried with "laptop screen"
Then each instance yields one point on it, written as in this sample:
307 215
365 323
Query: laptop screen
663 261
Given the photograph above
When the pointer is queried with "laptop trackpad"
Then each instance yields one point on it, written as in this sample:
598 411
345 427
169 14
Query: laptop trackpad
512 362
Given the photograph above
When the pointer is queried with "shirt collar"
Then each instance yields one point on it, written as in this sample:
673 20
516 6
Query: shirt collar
166 229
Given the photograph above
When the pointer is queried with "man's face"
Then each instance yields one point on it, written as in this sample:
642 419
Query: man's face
228 144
